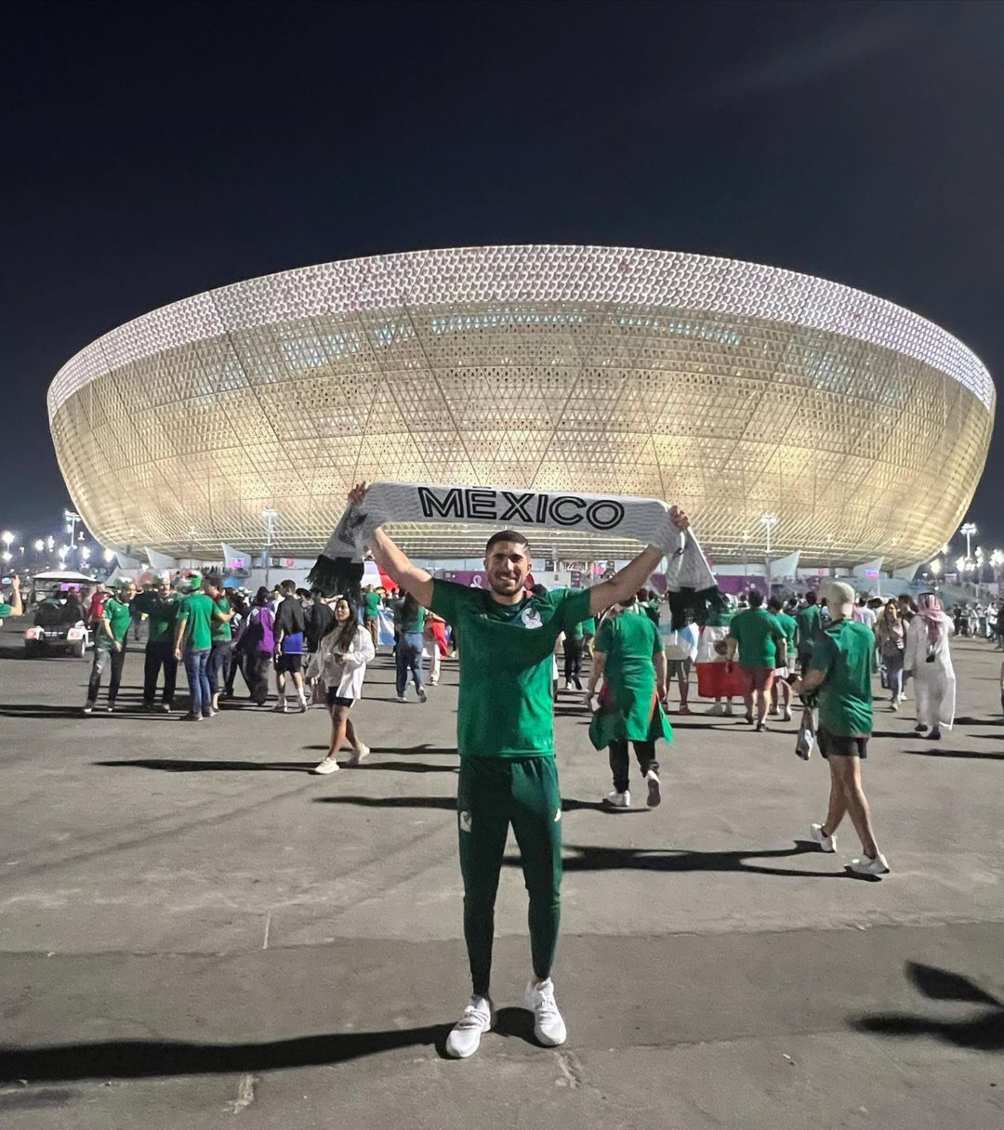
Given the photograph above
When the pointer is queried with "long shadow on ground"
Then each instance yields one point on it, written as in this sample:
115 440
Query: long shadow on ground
200 765
592 858
448 803
144 1059
937 751
982 1030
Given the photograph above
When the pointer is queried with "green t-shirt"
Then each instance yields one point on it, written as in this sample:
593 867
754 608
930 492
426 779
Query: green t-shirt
220 632
506 659
196 612
789 625
119 618
160 615
589 626
809 621
844 652
372 604
758 633
414 625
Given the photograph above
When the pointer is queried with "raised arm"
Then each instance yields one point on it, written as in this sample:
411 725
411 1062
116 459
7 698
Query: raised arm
393 560
633 576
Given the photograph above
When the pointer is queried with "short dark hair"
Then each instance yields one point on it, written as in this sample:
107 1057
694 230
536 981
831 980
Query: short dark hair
774 604
288 587
213 579
755 598
506 535
810 597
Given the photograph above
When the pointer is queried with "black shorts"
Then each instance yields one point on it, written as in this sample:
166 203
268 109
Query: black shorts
841 744
335 699
291 662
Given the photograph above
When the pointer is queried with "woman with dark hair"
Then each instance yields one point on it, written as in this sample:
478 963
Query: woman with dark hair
409 617
890 631
257 644
340 663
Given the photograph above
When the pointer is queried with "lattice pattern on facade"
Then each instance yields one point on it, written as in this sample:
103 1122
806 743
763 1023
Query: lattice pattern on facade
728 387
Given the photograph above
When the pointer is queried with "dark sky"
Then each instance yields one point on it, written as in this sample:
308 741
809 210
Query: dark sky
154 151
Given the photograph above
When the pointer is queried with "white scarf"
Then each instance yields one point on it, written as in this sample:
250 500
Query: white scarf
646 520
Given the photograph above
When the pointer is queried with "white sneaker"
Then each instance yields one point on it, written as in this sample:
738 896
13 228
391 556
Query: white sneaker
328 765
618 800
654 789
548 1026
465 1036
402 698
827 843
358 753
422 696
280 707
865 866
716 709
88 707
303 706
786 717
568 685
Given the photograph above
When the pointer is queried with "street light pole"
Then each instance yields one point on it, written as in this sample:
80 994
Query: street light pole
769 521
270 518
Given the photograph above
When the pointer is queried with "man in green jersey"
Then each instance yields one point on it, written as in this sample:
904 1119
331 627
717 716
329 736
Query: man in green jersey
810 622
840 671
762 649
193 641
221 650
160 607
505 737
780 697
110 646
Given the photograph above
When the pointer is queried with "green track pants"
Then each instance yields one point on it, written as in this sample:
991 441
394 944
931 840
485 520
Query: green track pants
492 793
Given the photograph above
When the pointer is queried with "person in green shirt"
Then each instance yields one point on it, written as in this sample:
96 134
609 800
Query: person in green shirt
505 738
160 606
110 647
193 641
810 622
840 677
629 657
572 648
221 646
371 613
409 620
780 695
762 648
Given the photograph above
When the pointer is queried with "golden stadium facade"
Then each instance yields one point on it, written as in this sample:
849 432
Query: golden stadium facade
727 387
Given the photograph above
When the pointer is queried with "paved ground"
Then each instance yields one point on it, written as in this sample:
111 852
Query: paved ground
194 931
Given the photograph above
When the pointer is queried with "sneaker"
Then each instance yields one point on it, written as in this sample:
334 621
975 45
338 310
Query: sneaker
685 709
654 789
402 698
548 1026
717 709
433 682
568 685
894 705
110 708
88 707
303 706
935 735
760 727
729 712
865 866
328 765
775 712
749 717
165 708
919 728
359 752
422 696
191 717
465 1036
618 800
826 843
280 707
786 717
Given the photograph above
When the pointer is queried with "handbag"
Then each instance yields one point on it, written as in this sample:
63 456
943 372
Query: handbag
806 740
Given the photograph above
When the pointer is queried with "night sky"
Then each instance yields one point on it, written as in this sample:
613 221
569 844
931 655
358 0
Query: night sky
152 152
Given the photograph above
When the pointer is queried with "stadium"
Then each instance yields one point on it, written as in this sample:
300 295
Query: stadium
727 387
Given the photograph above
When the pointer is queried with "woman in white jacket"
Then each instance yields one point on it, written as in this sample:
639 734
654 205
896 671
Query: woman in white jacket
928 658
340 663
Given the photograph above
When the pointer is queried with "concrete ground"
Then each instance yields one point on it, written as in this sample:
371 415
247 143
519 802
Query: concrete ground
195 931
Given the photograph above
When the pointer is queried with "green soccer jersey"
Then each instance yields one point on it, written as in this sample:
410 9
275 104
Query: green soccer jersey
372 604
117 613
809 621
789 625
220 631
506 661
160 614
844 652
758 634
196 613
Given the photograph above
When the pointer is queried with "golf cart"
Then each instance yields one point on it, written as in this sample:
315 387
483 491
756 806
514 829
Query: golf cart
58 616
